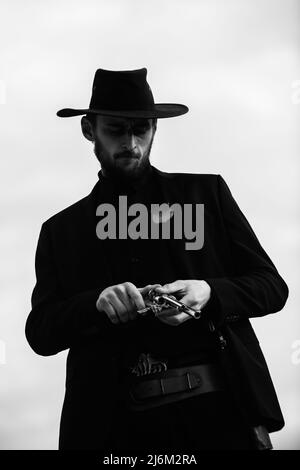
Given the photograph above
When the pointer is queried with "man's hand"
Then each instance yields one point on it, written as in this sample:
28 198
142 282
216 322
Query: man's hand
120 302
191 292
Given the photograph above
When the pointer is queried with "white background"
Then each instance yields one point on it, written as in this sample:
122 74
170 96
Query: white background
236 64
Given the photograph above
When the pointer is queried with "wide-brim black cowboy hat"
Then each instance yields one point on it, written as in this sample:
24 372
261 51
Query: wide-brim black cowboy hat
125 94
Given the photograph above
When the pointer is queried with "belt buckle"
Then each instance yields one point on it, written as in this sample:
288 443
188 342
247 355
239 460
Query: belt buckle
147 364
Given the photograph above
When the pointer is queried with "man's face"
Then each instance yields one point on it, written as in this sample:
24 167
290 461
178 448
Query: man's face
123 145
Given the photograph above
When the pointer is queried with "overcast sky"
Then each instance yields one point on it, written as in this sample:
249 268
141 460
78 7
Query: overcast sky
235 64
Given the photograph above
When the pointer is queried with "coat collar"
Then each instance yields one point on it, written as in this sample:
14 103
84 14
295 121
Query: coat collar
172 189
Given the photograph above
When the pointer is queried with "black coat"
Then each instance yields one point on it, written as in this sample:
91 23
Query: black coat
71 273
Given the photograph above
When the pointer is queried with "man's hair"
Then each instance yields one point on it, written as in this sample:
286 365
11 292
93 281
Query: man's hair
93 117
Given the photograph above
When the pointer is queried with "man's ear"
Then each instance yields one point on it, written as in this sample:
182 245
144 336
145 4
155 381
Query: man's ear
87 129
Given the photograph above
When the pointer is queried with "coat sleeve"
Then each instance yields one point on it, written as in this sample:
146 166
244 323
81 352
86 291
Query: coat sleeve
55 323
255 289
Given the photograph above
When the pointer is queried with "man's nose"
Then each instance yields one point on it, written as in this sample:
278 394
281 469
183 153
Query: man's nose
129 141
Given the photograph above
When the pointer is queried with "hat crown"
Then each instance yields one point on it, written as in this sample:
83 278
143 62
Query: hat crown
126 94
117 90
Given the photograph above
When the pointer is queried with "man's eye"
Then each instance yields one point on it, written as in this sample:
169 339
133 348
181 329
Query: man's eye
140 130
116 130
136 130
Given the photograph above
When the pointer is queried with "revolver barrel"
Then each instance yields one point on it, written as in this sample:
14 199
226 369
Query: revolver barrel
181 306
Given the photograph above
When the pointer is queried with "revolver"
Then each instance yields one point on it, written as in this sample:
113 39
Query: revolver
155 303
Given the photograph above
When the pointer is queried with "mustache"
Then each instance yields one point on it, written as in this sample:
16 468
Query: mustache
127 153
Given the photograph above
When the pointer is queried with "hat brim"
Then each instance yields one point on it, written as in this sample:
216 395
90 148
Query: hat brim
160 111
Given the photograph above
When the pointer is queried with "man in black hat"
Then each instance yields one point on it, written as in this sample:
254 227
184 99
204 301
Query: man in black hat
144 373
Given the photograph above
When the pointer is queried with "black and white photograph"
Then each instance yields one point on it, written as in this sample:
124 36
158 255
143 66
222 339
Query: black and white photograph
150 228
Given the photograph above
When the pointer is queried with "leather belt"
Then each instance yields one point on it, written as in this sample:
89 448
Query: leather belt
176 384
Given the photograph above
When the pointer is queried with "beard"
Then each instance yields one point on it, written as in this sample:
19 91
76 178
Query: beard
111 169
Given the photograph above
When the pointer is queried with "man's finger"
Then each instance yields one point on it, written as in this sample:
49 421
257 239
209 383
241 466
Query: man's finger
168 312
121 309
174 319
135 295
111 313
128 303
144 290
190 301
172 287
